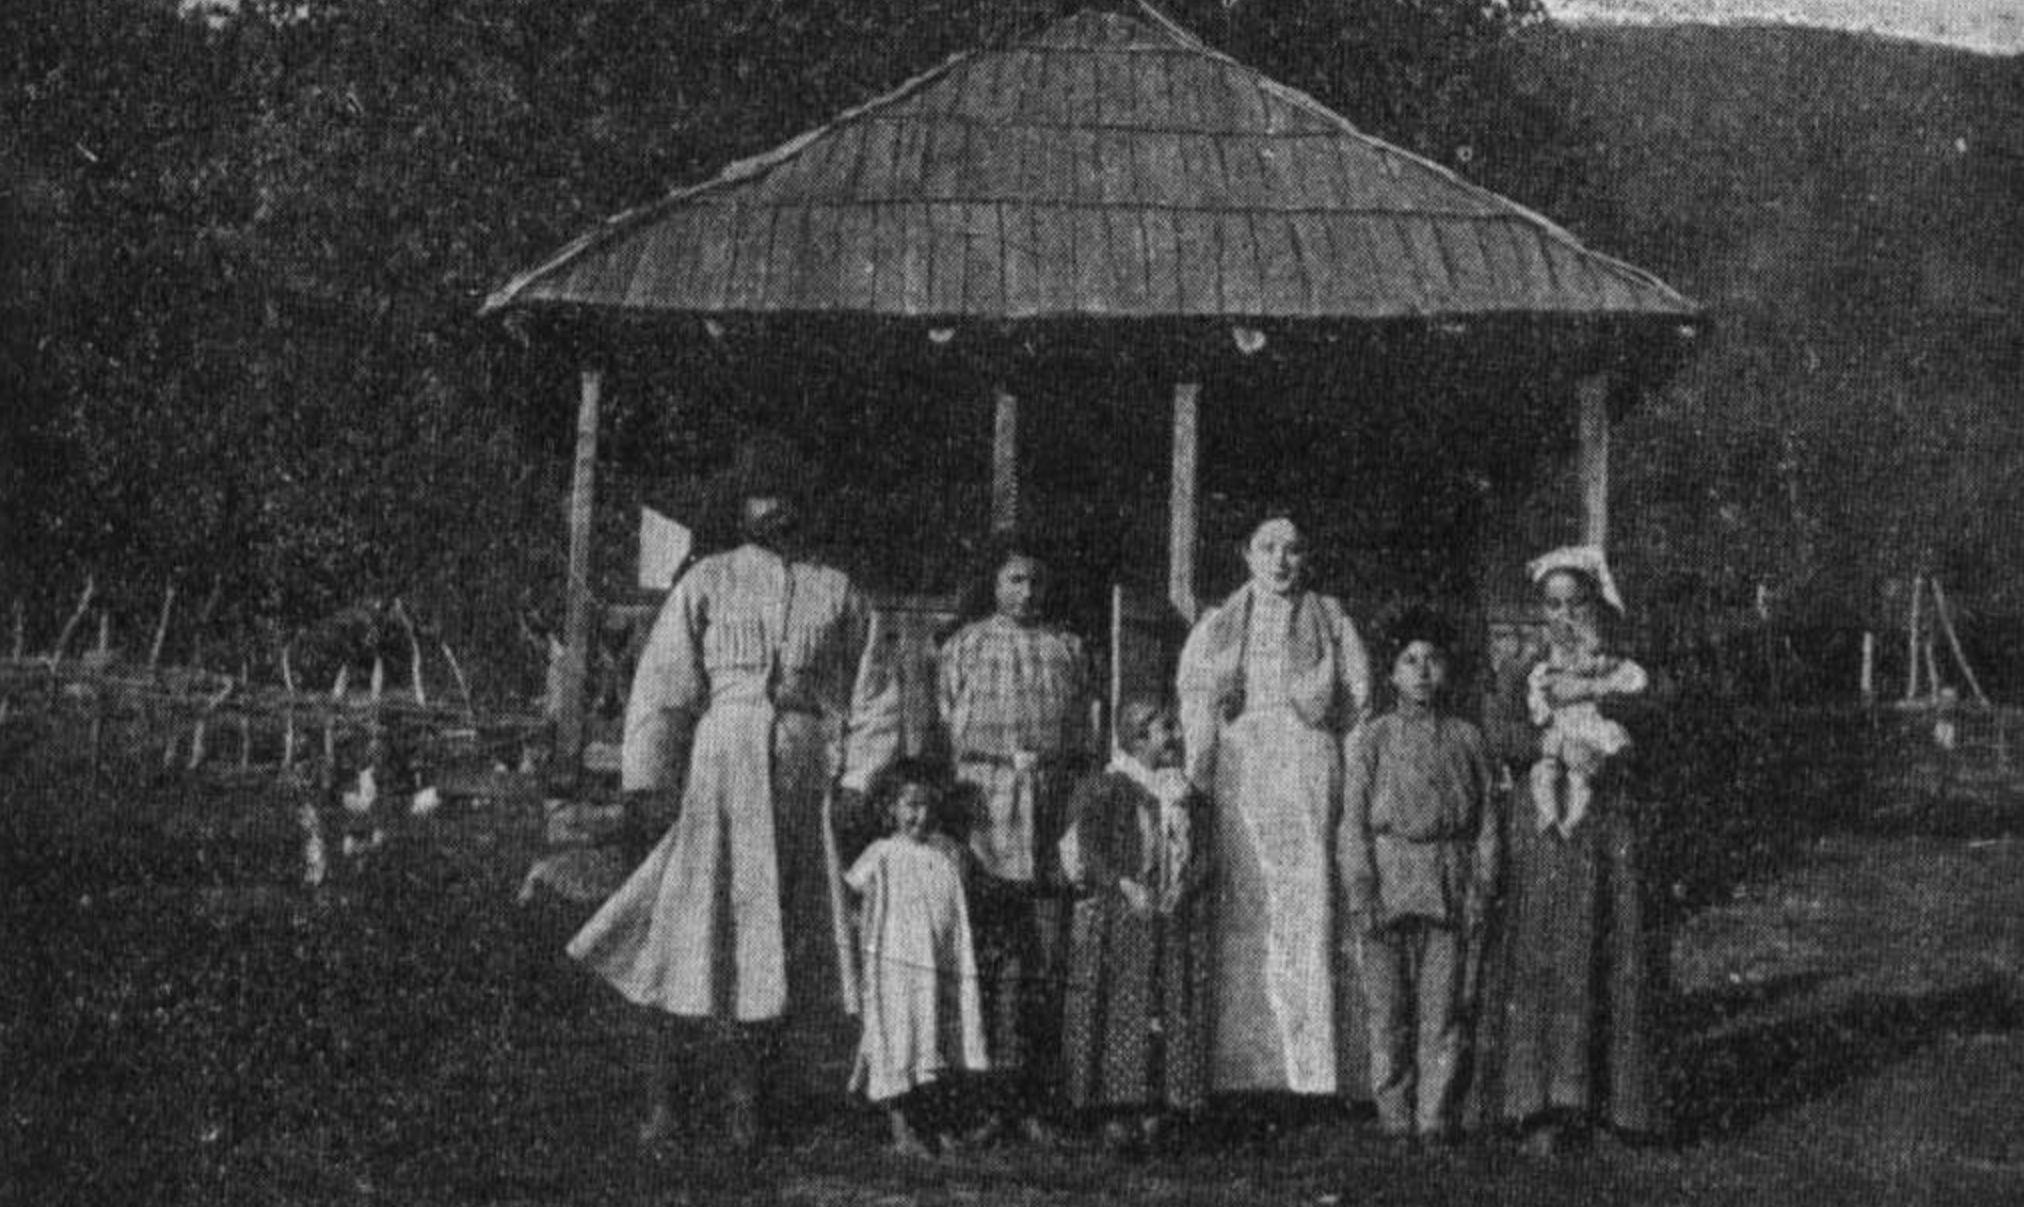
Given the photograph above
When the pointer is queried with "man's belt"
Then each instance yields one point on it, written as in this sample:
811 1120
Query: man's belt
1426 839
1005 760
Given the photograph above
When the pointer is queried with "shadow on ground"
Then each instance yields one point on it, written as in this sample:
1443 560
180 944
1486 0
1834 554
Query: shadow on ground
174 1032
1726 1079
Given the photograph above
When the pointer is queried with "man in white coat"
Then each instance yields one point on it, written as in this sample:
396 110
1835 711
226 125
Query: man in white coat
760 685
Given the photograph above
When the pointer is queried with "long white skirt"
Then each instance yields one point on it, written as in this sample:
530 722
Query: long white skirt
730 916
1274 998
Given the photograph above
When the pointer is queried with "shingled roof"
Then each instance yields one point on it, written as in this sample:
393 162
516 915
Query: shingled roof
1110 166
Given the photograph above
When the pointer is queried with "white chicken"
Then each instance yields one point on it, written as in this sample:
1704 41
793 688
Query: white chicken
362 798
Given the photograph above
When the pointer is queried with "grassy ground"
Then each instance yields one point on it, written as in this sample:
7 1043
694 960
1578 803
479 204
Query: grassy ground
184 1023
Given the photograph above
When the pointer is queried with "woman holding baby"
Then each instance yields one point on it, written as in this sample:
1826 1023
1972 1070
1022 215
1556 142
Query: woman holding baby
1569 1034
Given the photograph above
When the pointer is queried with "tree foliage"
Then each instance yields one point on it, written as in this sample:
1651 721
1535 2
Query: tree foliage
1846 207
244 253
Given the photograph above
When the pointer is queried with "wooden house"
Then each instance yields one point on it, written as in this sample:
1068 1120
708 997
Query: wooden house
1110 187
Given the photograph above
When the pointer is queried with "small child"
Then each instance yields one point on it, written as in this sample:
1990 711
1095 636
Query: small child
918 1000
1135 1042
1418 852
1577 741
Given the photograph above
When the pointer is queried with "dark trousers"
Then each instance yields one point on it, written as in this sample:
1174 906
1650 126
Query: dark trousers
1415 981
1020 938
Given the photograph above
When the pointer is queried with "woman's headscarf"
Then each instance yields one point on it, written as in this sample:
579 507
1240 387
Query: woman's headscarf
1586 560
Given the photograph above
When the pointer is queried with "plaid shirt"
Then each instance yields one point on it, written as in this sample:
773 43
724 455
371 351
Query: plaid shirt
1007 687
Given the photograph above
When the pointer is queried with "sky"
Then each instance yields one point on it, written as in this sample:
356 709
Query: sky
1988 26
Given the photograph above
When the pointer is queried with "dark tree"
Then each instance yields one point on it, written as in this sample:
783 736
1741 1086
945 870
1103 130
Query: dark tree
243 254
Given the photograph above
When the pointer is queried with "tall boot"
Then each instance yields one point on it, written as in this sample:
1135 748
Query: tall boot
747 1051
741 1113
657 1124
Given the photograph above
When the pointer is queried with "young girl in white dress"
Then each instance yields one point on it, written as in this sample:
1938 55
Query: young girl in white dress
918 1001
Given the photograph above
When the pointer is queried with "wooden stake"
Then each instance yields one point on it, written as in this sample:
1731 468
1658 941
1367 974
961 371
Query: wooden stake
414 652
463 685
70 626
1932 671
375 732
20 630
97 728
1868 667
197 645
203 719
161 627
1912 641
245 721
1945 614
538 642
288 725
329 774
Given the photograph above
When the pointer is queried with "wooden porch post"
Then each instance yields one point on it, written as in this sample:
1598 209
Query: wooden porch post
1594 465
577 621
1004 460
1181 517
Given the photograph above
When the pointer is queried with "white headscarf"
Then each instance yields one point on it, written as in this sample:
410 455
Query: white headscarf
1589 560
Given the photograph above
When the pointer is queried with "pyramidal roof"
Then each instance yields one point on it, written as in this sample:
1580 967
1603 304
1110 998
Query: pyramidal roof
1109 166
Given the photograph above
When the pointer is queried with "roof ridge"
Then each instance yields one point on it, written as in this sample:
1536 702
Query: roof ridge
1174 29
740 176
1154 21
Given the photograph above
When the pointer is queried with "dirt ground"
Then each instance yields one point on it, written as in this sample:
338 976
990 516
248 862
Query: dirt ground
181 1021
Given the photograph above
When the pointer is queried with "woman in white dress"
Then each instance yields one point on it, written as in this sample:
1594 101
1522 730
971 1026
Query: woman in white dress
758 686
1271 682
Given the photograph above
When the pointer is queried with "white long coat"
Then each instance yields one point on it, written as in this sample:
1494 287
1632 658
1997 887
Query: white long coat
759 683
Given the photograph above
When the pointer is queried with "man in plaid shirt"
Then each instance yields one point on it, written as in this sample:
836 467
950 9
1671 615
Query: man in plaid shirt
1014 697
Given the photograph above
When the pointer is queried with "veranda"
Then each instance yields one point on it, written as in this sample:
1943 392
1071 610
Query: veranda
1158 280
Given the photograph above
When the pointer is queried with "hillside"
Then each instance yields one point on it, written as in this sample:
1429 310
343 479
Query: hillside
1766 165
1989 26
1847 207
240 270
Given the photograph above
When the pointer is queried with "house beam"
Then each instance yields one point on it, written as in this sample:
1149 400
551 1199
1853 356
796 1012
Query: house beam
1182 518
1594 459
577 620
1004 460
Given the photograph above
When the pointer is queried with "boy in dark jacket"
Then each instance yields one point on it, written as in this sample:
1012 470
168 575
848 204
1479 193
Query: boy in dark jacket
1417 853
